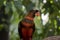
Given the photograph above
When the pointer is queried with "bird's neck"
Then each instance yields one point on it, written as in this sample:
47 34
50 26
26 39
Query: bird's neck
30 18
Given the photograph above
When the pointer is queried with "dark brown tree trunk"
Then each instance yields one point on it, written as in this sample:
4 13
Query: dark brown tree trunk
4 35
3 32
4 24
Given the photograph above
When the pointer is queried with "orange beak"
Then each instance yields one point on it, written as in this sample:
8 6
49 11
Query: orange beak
37 14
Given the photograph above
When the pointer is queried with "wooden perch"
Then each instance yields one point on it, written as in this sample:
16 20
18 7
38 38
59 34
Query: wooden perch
52 38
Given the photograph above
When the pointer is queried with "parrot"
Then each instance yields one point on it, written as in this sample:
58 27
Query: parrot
26 26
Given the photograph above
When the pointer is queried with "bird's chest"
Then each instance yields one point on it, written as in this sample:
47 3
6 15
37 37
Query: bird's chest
27 23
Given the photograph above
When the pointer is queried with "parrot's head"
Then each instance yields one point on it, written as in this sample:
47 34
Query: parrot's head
34 13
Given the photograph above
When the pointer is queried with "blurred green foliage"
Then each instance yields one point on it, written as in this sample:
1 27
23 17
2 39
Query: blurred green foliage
15 10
